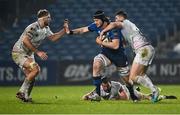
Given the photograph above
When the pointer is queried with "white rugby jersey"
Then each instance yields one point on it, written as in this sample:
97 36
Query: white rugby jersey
115 88
133 35
36 35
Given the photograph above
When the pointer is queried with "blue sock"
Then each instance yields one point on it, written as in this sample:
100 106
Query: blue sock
97 83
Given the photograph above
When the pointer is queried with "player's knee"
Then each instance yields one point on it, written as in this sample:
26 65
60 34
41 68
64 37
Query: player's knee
34 68
96 66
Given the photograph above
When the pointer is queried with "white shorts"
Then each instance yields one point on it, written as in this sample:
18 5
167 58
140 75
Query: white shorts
144 55
20 58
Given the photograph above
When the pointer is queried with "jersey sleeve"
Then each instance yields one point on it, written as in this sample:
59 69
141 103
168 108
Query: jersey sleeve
92 27
49 32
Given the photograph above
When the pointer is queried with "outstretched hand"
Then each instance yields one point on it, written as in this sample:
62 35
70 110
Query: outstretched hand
66 26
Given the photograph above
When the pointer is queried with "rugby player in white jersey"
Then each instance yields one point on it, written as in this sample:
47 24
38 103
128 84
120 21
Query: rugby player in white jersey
143 49
27 45
113 90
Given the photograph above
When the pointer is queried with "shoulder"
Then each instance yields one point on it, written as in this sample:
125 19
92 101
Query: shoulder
127 22
32 27
92 27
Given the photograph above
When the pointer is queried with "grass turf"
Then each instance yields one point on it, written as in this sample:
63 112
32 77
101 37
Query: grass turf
67 99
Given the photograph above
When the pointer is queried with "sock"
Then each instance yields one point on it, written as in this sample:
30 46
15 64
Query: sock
25 86
97 83
31 87
131 91
146 82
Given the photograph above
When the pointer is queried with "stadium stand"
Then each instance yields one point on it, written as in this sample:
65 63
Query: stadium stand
159 20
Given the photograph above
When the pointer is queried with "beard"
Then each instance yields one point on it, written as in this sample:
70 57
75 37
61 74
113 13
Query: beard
46 23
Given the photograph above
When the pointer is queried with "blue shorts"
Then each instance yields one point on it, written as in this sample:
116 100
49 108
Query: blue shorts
119 59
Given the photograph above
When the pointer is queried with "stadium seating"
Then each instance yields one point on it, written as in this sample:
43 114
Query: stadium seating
155 18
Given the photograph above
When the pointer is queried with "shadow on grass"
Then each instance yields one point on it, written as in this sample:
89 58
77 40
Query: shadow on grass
158 103
43 103
39 103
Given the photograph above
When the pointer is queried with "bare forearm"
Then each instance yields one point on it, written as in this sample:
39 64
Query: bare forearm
77 31
56 36
80 30
110 45
111 26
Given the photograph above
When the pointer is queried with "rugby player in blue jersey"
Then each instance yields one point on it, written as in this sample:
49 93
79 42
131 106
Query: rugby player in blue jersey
112 51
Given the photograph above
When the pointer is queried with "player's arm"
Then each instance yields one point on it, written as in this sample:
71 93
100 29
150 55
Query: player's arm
80 30
56 36
114 44
29 45
74 31
88 96
111 26
112 97
122 96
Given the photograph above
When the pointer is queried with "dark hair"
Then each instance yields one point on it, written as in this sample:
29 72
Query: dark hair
122 13
42 12
104 80
100 15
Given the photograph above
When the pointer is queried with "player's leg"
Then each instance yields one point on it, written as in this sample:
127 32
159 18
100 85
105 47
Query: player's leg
30 87
100 61
121 62
137 74
138 70
31 69
18 58
128 82
142 96
89 95
161 97
26 72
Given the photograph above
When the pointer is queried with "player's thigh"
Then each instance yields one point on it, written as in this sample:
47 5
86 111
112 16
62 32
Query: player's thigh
145 55
137 70
101 60
122 65
19 58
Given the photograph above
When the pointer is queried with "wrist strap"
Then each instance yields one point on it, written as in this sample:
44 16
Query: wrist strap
71 32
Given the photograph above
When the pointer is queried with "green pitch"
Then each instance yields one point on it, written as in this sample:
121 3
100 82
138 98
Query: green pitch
67 99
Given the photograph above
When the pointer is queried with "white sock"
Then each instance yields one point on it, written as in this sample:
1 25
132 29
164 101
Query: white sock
25 86
31 87
146 82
